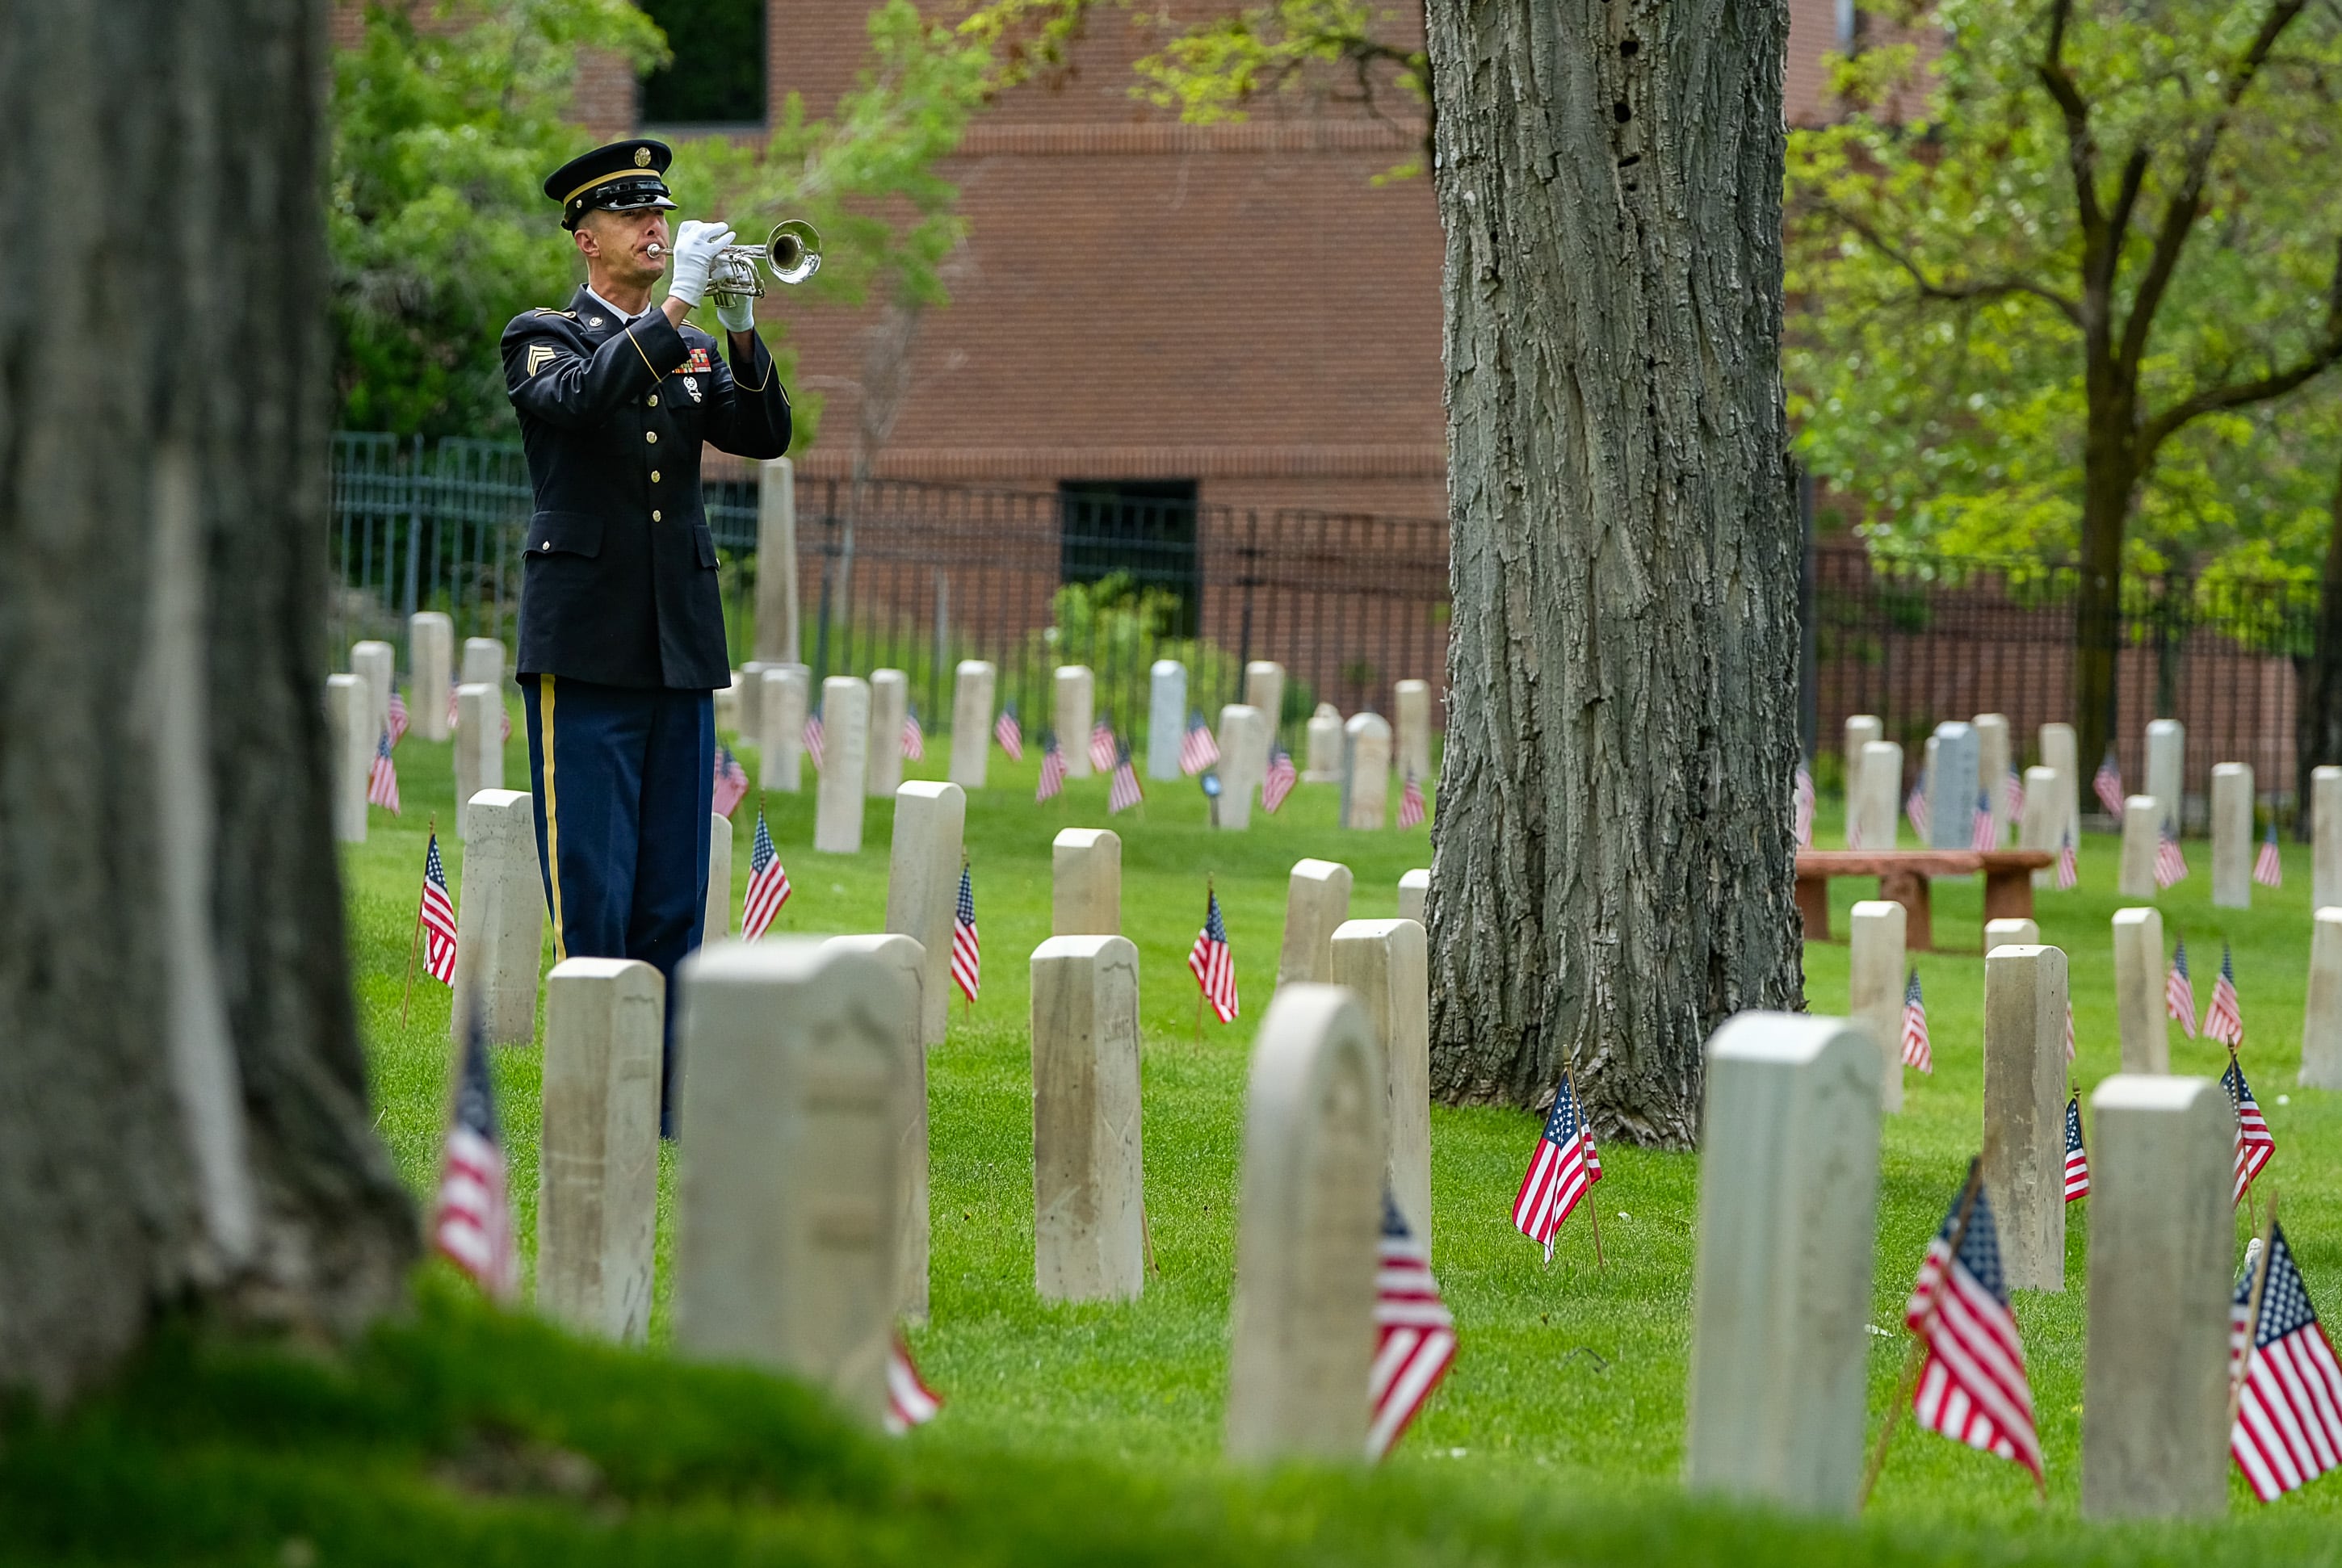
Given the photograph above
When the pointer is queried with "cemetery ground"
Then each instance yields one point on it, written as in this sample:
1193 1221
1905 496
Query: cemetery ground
1092 1433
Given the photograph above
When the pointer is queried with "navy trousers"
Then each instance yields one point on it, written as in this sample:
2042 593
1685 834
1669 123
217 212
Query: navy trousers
625 783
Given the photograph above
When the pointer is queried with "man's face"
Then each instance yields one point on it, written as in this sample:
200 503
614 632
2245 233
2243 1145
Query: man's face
619 244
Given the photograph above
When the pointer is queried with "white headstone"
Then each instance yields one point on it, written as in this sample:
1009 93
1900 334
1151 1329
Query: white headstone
1385 962
1316 900
2138 991
782 690
1323 748
1876 974
2321 1019
352 754
777 561
1861 730
2155 1384
431 653
1882 796
728 707
1411 705
846 748
484 663
906 961
479 744
1166 717
1789 1195
1244 745
2058 751
2232 835
2014 931
1958 782
1414 896
890 705
375 663
1085 882
2141 837
2042 825
1366 793
499 919
715 924
1076 713
2324 836
973 686
787 1188
1993 766
923 886
1264 690
1089 1236
2025 1111
598 1156
1308 1224
2166 769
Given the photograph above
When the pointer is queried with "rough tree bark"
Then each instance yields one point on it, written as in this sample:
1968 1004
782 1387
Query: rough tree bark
1613 872
183 1102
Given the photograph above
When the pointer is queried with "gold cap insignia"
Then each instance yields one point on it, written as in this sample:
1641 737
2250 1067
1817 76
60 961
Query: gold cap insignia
642 157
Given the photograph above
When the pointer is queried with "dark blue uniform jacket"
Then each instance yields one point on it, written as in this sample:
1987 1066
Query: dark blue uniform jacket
620 586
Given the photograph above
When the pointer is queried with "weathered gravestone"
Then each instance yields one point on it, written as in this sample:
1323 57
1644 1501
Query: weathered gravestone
375 663
1316 900
2167 770
1075 715
499 919
906 961
923 887
1264 690
1309 1231
2232 835
2025 1111
2014 931
1414 896
2044 822
1875 980
431 652
788 1191
2154 1386
1322 750
1411 705
783 690
346 727
890 705
1243 736
727 708
1789 1195
484 663
777 561
973 686
1085 882
1384 962
2321 1018
2059 750
1993 765
845 748
1861 731
598 1172
1882 796
716 923
1956 784
479 745
2141 837
2324 837
1166 717
1089 1199
1367 752
2138 991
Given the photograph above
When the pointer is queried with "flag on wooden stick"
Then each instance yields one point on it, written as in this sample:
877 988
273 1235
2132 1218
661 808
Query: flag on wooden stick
1278 781
909 1401
1972 1386
768 885
471 1223
2288 1388
2109 785
1010 733
2170 865
1563 1166
1053 769
968 948
382 777
2179 990
1415 1333
1122 791
2224 1020
438 915
1197 749
1916 1051
2254 1145
1212 964
2268 870
2078 1162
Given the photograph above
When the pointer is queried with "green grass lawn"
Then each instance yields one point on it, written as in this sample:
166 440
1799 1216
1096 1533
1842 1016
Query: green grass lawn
1557 1435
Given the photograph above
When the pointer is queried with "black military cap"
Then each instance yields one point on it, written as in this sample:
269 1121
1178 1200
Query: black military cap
621 177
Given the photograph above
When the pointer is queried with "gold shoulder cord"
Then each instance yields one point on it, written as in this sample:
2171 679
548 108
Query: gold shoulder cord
760 385
645 358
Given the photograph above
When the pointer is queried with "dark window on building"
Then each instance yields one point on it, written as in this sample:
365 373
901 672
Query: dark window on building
718 75
1143 529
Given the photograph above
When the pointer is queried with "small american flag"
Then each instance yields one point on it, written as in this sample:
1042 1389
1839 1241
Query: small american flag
2170 865
768 885
915 739
1915 1050
1915 811
1053 768
438 918
472 1221
1980 834
2108 782
1278 781
731 783
813 738
1122 791
1972 1386
968 948
2069 867
2179 990
1415 1333
453 716
2077 1163
1102 746
1561 1170
1009 733
2224 1020
909 1401
2253 1144
1211 963
1802 800
1410 803
399 719
382 777
2012 791
1197 749
2289 1426
2267 869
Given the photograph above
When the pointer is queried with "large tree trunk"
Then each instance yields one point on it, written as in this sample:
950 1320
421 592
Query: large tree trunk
2318 730
183 1102
2110 478
1613 872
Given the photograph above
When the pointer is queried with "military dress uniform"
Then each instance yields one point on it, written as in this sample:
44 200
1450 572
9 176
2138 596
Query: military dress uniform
620 625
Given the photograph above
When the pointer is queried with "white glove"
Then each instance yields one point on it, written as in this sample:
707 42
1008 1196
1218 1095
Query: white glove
696 244
737 314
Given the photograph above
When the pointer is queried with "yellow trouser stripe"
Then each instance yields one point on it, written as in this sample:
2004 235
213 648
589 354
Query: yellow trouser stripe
552 815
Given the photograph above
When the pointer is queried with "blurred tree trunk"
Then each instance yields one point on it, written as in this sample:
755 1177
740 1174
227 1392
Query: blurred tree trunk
1613 874
183 1102
2317 727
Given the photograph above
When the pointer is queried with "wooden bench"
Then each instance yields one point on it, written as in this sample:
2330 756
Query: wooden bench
1903 875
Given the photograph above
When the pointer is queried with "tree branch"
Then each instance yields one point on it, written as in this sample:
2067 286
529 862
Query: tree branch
2242 394
1932 288
2081 146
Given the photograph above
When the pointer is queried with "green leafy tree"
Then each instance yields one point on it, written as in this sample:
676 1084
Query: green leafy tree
2054 274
